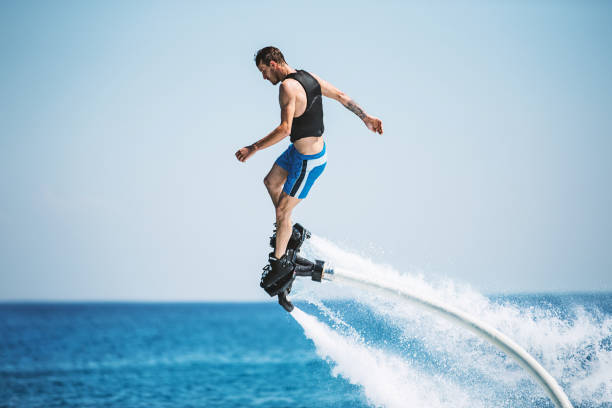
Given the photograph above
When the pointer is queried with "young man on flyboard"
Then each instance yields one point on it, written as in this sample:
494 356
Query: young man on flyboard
295 171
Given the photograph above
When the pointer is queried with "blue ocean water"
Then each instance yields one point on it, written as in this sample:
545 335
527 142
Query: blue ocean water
162 355
220 354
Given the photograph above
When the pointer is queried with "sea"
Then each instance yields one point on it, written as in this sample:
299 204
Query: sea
340 347
162 355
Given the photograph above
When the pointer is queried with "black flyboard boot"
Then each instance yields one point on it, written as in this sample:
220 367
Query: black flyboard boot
299 234
279 274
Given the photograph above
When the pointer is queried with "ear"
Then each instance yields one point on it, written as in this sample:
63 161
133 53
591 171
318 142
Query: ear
273 65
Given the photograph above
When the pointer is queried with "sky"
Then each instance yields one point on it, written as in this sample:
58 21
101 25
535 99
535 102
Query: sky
119 122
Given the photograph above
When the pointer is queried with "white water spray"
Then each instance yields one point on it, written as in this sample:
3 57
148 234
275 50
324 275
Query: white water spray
359 272
386 379
469 322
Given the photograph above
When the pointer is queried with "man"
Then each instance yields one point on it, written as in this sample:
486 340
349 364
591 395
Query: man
295 171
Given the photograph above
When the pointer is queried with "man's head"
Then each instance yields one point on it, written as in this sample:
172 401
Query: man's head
271 63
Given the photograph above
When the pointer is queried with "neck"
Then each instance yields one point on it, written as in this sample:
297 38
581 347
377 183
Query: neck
286 70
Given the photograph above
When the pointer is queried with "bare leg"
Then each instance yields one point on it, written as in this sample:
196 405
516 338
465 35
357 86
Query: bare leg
285 206
274 182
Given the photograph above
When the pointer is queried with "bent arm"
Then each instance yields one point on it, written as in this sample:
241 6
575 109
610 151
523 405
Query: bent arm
332 92
286 100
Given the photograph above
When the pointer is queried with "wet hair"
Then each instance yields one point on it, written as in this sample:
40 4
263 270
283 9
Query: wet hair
267 54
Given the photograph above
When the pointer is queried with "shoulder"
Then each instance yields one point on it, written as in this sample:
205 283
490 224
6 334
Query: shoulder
315 76
322 83
289 87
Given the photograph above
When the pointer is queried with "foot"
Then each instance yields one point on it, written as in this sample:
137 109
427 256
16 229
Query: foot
278 275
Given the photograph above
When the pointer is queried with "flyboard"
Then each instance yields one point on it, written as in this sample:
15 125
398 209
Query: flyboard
277 280
278 276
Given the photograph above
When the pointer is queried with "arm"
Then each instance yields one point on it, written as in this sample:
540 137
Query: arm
286 99
327 89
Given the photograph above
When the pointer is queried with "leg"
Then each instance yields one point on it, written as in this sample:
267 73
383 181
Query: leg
274 182
285 206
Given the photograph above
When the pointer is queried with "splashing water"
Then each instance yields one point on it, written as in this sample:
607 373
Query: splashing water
403 356
387 380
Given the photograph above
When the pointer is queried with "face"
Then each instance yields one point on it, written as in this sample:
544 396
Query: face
269 72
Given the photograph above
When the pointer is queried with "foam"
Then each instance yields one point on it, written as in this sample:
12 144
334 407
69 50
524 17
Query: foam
386 379
574 347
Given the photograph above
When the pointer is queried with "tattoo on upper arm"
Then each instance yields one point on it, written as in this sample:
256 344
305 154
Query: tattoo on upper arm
353 107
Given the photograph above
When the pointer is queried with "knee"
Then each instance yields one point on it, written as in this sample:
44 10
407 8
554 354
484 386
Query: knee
270 184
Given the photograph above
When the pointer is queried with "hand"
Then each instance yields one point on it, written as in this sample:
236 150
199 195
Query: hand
246 152
374 124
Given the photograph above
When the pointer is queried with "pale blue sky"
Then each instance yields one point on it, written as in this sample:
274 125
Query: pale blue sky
119 121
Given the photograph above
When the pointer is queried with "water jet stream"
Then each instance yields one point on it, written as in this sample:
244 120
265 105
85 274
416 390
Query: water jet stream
457 316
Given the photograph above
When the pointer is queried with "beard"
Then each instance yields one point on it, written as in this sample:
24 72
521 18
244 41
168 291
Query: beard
276 77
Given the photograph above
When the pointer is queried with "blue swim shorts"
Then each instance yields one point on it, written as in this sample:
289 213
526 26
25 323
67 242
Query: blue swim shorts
303 170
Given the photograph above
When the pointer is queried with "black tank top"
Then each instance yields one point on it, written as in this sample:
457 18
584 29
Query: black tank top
310 123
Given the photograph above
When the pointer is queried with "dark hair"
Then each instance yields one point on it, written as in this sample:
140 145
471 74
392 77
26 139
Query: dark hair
268 54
